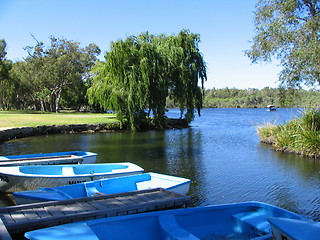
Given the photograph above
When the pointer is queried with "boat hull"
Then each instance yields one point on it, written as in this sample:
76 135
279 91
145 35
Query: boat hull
230 221
22 178
293 229
49 158
105 186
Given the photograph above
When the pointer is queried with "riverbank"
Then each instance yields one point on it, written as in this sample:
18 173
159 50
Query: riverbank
22 132
299 136
7 134
20 124
15 124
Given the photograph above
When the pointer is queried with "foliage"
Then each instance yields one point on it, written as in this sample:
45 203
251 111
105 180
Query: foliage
142 71
5 64
56 72
254 98
301 135
267 132
6 84
289 31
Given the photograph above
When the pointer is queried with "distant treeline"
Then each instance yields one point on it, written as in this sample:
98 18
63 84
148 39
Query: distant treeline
255 98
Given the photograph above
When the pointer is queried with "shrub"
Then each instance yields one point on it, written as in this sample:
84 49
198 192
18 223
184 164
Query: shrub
301 135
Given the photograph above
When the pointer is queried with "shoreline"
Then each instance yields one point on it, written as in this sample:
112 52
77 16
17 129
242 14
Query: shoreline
7 134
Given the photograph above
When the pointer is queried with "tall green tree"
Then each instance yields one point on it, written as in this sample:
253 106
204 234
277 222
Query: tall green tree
141 71
186 68
289 31
29 91
6 85
57 70
4 63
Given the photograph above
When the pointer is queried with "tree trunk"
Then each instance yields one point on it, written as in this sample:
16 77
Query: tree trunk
42 105
58 99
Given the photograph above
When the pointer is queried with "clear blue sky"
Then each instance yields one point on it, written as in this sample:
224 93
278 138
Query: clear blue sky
225 28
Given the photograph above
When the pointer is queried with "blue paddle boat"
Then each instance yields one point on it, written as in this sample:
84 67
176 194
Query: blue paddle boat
294 229
105 186
231 221
49 158
21 178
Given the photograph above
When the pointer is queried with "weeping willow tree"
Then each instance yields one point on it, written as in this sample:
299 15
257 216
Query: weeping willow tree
140 72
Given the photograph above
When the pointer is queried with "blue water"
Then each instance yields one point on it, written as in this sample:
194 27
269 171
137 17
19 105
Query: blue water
220 153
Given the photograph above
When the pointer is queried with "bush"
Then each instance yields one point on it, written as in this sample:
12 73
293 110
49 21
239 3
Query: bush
301 135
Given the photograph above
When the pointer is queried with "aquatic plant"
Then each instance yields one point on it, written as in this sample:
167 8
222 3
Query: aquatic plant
300 135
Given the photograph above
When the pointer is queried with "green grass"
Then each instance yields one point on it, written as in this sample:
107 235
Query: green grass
15 119
301 135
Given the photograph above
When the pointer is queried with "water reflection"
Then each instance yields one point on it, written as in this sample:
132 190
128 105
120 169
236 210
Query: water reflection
184 150
174 152
294 184
309 168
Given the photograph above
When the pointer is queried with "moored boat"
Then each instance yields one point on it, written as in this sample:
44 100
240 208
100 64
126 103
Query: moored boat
21 178
105 186
49 158
271 108
229 221
294 229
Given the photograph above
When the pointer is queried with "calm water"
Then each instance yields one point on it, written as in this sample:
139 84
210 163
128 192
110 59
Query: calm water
220 153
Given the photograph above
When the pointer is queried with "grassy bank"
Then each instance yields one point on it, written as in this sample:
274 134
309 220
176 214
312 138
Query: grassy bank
301 135
15 119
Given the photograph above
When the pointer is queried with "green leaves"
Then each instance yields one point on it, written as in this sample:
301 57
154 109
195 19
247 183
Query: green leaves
299 135
57 73
289 30
142 71
6 84
3 52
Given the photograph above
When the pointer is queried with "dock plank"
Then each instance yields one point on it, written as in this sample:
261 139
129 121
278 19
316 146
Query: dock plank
18 216
54 211
85 206
138 199
29 214
75 208
150 198
38 215
6 218
71 209
41 212
98 205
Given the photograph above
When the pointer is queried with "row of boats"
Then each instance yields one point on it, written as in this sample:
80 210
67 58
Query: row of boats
42 177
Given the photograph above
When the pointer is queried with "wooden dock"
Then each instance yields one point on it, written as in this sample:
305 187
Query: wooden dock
22 218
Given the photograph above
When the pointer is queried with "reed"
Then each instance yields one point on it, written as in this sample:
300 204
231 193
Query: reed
301 135
267 133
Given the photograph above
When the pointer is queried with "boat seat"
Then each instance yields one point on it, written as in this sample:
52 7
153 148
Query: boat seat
67 171
125 184
91 189
255 219
83 231
170 229
67 196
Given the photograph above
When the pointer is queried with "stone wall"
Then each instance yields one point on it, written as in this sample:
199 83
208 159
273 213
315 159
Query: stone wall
13 133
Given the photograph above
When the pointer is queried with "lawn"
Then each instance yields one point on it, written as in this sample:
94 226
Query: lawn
14 119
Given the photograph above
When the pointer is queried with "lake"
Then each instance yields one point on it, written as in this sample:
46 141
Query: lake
220 153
